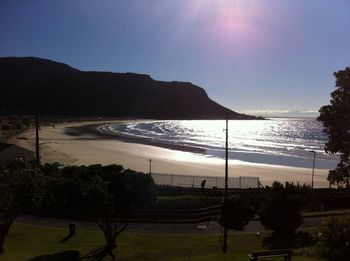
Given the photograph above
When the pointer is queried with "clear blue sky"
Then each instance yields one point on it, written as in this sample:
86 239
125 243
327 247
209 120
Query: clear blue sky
256 56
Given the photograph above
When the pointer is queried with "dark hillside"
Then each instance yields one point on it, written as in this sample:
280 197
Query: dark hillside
33 85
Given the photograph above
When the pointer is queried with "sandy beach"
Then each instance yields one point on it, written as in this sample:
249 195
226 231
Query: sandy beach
84 149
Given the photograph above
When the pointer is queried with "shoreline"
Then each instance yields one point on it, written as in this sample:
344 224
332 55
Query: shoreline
82 148
91 129
244 156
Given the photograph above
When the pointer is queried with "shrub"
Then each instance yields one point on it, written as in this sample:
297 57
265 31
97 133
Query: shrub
334 239
235 213
281 211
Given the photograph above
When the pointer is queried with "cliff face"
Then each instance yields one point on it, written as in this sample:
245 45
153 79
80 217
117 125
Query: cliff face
32 85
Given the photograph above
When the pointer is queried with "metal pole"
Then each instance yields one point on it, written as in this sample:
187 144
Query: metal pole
226 160
313 169
226 183
150 166
37 153
225 241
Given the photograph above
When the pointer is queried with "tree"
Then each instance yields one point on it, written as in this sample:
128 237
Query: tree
100 193
117 193
104 194
235 213
20 190
336 120
281 211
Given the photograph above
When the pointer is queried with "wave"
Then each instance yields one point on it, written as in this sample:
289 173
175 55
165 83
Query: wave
291 138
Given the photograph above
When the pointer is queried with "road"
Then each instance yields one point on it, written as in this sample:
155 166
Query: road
211 227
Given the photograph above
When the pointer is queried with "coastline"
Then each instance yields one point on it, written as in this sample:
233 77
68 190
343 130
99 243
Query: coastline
299 161
71 143
91 130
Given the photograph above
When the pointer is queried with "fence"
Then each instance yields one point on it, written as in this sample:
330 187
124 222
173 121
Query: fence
195 181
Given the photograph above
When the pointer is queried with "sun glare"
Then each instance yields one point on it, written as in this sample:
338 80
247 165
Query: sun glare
229 24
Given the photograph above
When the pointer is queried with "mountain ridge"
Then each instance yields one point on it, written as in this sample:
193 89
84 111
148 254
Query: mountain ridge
32 85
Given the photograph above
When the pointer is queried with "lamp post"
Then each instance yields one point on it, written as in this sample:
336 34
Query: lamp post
313 169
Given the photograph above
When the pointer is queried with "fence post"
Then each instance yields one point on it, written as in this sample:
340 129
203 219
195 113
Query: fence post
239 181
171 179
216 181
192 181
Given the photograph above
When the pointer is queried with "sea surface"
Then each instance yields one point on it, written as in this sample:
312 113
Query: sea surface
276 141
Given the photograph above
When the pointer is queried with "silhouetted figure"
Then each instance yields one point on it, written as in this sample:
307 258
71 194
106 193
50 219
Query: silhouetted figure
72 228
72 231
203 184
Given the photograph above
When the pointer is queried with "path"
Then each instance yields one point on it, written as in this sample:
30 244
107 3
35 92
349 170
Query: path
211 227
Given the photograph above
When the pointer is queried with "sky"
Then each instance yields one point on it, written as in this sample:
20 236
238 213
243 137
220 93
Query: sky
262 57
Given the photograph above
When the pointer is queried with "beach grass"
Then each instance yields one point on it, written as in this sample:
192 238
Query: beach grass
28 242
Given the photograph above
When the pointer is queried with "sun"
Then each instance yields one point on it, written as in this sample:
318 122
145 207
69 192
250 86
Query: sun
229 22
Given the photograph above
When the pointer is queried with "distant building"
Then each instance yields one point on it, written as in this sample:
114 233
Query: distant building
11 152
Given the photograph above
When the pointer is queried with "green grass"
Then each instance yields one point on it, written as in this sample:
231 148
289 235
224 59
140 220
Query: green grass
333 212
27 241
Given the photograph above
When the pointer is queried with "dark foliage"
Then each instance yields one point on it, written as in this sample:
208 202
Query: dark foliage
336 120
20 190
334 239
281 210
96 192
38 86
235 213
89 192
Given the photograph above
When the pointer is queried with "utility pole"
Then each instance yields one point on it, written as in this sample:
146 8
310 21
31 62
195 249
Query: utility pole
226 160
313 169
37 153
226 183
150 166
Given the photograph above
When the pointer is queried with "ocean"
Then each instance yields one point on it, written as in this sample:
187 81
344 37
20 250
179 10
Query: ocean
275 141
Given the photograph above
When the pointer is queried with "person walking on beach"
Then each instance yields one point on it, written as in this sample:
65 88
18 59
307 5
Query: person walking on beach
203 184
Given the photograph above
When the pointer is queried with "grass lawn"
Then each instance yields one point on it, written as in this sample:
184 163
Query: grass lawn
27 242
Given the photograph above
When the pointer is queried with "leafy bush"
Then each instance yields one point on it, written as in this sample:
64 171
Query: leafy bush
334 239
95 192
87 192
21 190
281 211
235 213
100 193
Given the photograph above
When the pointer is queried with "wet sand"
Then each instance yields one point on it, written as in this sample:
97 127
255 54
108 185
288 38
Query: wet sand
69 144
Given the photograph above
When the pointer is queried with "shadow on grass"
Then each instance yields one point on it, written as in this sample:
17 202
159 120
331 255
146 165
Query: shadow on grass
99 254
69 255
70 235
